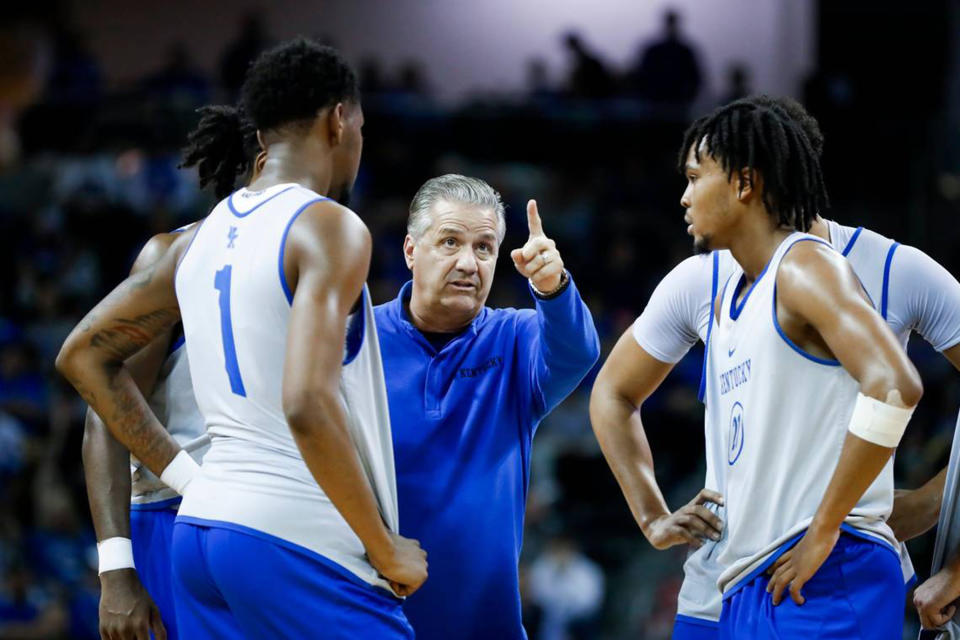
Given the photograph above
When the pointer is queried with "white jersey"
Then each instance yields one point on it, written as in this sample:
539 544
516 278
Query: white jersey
920 294
173 403
784 415
235 304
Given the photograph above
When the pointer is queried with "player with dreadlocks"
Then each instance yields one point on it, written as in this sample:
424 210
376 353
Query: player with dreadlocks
777 403
133 512
809 384
910 290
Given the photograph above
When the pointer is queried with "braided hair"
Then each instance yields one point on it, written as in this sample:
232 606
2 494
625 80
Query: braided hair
222 147
759 133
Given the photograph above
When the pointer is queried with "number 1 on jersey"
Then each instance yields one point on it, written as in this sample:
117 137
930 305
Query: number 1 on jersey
222 284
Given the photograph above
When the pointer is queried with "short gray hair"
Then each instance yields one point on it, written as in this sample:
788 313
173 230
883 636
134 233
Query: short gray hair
453 187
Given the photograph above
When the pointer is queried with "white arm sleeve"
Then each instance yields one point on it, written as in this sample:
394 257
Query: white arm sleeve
924 296
678 311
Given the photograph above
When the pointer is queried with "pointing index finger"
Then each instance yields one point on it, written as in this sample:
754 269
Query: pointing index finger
533 219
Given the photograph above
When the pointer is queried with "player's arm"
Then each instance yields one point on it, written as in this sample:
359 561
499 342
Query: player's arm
817 289
326 261
141 309
628 377
126 610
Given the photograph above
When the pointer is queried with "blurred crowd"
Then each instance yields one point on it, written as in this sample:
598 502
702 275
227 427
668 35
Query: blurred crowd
91 173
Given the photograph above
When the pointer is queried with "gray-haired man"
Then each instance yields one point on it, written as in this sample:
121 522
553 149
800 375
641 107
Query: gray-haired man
467 386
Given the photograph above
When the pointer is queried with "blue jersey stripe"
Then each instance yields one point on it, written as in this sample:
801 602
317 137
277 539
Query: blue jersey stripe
884 296
853 240
702 392
283 247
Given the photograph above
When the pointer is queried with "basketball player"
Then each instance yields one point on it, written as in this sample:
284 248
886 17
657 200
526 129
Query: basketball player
918 293
288 530
133 512
747 189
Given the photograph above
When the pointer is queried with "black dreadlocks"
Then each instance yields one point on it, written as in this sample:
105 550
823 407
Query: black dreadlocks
759 133
223 147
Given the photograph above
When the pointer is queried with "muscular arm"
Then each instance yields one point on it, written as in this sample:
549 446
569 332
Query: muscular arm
106 461
141 309
821 307
628 377
326 262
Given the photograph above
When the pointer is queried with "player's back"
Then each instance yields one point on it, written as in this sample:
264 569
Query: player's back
235 304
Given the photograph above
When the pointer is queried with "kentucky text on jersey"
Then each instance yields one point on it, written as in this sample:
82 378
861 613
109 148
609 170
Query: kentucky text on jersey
733 378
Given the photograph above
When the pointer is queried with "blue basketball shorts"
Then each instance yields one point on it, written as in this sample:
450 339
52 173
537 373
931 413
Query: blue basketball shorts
690 628
233 582
151 532
857 594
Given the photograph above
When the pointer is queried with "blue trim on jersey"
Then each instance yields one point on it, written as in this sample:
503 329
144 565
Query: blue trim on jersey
700 622
702 391
286 544
234 211
283 247
853 239
355 333
791 343
911 582
156 506
776 321
884 296
735 309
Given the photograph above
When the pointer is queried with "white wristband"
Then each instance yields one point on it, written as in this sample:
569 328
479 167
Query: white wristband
879 422
181 470
115 553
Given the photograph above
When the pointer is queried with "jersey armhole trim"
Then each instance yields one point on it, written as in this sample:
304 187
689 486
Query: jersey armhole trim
352 342
853 239
283 245
702 391
776 321
885 291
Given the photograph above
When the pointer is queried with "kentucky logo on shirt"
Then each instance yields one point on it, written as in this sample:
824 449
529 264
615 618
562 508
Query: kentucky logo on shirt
473 372
733 378
735 436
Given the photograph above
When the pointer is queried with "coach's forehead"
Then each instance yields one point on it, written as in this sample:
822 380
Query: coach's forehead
465 216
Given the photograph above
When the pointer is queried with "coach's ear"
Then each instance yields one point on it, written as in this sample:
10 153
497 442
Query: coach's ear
408 246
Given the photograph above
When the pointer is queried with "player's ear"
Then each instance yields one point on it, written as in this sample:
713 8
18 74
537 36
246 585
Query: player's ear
746 181
336 124
408 246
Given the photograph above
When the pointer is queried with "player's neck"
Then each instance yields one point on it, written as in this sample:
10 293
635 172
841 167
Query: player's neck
754 245
287 164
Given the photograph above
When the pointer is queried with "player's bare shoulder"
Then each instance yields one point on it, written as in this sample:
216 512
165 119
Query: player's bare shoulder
158 246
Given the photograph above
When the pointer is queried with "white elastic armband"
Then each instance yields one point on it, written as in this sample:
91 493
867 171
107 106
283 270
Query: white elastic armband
115 553
181 470
879 422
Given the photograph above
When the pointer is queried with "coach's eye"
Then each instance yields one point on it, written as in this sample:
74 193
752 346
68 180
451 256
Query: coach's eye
449 242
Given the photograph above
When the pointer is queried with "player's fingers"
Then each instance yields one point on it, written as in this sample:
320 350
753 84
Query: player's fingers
688 537
795 586
782 560
156 624
706 495
533 219
693 521
714 523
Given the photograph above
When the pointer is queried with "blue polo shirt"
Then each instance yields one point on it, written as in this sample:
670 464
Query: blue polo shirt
463 421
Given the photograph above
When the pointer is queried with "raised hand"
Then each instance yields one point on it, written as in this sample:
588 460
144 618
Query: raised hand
538 259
